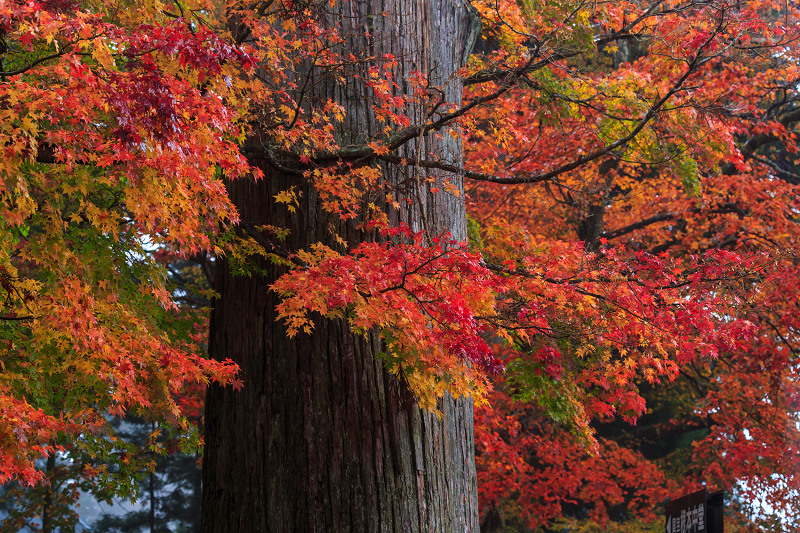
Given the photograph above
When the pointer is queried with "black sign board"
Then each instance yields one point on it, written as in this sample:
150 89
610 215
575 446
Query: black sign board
700 512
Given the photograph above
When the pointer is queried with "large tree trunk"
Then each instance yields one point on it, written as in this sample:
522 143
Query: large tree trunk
322 438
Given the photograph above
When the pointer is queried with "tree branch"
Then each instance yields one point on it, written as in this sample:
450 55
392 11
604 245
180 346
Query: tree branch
269 246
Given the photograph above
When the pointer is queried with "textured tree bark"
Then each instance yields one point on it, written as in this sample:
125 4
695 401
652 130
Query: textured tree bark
322 438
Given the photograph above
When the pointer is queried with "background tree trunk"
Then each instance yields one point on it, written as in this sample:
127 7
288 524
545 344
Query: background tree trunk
322 438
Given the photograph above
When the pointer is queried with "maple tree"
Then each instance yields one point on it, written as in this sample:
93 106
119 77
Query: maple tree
712 171
629 178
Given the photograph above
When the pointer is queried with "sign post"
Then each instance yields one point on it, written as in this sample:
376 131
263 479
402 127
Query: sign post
699 512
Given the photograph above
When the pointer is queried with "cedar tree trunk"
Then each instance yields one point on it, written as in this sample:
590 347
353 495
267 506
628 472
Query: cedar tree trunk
321 438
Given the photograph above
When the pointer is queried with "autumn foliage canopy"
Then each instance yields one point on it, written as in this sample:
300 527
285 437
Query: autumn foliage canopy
631 276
